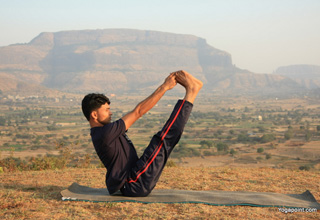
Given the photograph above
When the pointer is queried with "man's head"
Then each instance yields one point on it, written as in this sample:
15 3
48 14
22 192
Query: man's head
95 107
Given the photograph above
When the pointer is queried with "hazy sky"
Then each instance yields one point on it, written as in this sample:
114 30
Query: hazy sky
261 35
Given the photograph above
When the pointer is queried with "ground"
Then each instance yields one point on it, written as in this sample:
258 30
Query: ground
36 194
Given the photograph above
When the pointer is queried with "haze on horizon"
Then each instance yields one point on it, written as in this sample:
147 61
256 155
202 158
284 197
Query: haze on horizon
260 35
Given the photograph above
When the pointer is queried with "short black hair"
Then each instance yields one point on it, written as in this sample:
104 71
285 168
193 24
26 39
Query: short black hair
92 102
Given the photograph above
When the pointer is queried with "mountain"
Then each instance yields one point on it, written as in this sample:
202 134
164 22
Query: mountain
306 75
125 60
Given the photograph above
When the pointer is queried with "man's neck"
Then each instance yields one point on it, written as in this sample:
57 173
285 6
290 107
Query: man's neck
94 124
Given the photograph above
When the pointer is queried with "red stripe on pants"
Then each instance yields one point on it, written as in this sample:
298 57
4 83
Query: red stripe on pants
157 149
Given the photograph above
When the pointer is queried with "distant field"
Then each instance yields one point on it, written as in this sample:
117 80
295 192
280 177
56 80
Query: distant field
221 131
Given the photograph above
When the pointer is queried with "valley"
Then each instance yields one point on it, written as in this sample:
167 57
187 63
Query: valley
222 131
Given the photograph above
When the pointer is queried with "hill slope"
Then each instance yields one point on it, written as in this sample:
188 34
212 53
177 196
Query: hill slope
36 194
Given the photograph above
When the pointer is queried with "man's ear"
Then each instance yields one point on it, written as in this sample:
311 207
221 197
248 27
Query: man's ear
94 115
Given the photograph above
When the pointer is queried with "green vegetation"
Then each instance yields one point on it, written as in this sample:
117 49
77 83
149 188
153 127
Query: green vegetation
289 134
260 150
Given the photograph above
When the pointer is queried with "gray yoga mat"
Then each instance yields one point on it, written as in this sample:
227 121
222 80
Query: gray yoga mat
76 192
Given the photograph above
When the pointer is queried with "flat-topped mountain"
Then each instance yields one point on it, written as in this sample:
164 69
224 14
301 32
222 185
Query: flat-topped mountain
124 60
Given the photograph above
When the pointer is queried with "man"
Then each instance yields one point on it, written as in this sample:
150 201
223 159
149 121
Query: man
126 172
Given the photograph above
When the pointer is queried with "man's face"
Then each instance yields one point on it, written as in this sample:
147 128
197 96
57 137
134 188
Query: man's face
104 114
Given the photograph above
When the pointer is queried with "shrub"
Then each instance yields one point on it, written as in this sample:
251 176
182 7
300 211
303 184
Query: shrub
233 152
305 167
222 146
52 128
243 138
208 153
261 129
2 121
183 151
308 135
206 143
171 163
288 134
11 163
267 138
84 162
220 131
260 150
24 136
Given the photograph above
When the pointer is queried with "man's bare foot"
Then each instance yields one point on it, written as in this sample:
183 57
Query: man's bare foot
191 84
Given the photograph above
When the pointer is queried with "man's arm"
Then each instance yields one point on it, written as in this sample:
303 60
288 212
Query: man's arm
147 104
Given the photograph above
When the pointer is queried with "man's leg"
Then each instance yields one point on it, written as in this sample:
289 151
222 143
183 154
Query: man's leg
144 176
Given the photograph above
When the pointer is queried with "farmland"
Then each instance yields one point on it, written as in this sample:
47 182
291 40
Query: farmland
276 133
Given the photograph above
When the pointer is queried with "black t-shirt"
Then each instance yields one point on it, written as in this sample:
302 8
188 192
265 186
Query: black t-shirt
116 152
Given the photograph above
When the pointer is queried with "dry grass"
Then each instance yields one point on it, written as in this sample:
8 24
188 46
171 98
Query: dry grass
36 194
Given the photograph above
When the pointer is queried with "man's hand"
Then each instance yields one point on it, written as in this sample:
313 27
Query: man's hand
190 83
144 106
170 81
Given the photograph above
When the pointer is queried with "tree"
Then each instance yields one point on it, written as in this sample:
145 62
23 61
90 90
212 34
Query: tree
267 138
308 125
308 135
2 121
261 129
204 143
220 131
233 152
243 138
260 150
222 146
288 134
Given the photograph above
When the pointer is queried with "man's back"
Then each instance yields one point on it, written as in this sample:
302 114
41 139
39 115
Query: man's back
116 152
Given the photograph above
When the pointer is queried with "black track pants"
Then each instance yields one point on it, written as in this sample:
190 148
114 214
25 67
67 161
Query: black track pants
144 175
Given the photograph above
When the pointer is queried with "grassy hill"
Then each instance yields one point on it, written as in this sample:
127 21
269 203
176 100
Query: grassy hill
36 194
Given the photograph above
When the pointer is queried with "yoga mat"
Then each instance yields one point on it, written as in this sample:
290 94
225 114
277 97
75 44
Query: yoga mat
76 192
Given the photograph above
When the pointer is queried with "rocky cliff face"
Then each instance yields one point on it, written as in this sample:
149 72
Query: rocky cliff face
120 60
109 60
